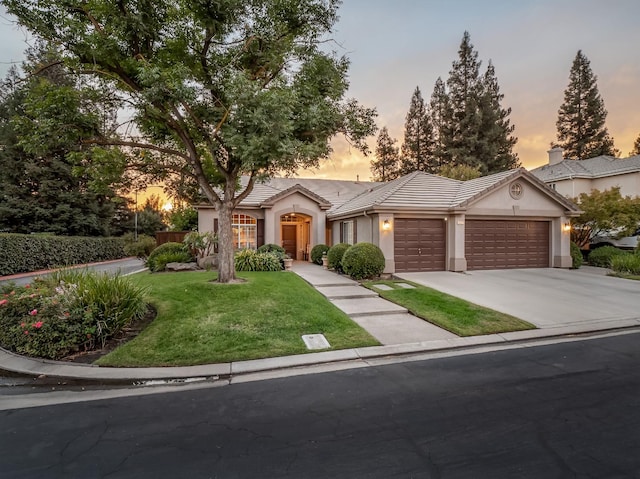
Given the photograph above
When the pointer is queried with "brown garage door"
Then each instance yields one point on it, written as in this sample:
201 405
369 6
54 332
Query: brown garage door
419 245
493 244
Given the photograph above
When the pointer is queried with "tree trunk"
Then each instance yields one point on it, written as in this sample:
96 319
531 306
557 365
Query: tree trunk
226 266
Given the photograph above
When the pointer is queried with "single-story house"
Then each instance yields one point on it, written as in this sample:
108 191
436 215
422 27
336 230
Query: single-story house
570 178
422 222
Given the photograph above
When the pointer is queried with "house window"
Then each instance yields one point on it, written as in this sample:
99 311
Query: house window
347 232
245 232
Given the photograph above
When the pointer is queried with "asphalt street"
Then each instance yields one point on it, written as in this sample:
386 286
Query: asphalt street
556 411
124 266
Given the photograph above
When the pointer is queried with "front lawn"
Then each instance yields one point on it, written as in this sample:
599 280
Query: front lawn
201 322
451 313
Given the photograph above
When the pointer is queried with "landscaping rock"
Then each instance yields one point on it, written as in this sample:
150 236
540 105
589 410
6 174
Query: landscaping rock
181 267
208 262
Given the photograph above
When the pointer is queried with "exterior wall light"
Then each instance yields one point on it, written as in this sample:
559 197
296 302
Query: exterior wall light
566 227
386 225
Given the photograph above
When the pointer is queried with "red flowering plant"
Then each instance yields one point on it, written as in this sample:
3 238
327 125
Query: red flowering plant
36 320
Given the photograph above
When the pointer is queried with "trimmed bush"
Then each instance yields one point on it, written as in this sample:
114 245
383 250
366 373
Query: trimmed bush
627 264
602 256
271 248
26 253
251 260
363 260
141 248
576 256
334 256
68 311
317 252
163 249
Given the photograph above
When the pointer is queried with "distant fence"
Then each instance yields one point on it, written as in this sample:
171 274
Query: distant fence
163 237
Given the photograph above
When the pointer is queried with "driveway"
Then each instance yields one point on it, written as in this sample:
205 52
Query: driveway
546 297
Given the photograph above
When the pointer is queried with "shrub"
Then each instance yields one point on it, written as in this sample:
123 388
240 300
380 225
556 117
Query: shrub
25 253
163 259
271 248
317 252
140 248
576 256
67 311
602 256
363 260
334 256
251 260
200 244
163 249
628 264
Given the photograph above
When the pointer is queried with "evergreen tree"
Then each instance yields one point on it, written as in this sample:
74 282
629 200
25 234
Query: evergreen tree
387 164
462 117
437 110
495 139
40 188
417 148
581 126
636 147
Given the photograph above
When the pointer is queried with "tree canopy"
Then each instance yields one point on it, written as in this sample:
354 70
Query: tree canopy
604 212
218 90
42 190
636 147
582 132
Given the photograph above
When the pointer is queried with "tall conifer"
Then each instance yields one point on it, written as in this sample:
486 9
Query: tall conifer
463 114
495 139
417 148
437 110
387 164
582 133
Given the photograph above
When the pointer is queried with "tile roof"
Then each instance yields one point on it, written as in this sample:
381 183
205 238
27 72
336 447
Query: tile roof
597 167
335 192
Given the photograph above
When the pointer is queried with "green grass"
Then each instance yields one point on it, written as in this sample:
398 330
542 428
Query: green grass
201 322
451 313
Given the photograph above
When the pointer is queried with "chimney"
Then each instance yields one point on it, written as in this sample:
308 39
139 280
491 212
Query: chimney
555 155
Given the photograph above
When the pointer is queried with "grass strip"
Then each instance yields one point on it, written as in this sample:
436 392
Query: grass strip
202 322
448 312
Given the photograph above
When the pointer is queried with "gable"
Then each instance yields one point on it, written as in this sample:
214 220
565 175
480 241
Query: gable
532 201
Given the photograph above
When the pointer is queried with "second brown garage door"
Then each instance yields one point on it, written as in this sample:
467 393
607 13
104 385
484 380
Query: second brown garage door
419 245
495 244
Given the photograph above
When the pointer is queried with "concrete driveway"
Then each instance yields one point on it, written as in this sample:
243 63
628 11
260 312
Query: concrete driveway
547 298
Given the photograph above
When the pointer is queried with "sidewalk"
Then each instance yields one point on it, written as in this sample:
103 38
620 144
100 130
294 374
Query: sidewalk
400 334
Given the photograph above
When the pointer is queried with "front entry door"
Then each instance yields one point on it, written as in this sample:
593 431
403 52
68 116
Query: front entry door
289 240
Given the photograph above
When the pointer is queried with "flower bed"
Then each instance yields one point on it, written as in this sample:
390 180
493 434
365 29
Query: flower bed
67 312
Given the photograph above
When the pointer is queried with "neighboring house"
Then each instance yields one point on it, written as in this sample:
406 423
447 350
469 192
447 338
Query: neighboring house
422 222
572 177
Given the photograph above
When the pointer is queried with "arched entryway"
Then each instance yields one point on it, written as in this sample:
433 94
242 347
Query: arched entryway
295 234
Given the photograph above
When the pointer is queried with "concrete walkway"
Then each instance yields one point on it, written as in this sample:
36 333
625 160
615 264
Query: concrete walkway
402 336
384 320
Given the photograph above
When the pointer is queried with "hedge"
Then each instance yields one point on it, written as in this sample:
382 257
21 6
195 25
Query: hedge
26 253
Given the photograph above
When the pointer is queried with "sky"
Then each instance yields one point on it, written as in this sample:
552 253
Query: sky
396 45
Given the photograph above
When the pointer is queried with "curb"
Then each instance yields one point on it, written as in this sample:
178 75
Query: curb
227 371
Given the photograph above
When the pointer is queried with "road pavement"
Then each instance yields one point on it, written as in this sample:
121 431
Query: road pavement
564 410
121 266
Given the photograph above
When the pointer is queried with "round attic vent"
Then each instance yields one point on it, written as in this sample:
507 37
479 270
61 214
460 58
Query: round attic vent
516 190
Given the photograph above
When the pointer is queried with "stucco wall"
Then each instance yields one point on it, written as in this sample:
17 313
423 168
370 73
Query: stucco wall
629 185
500 203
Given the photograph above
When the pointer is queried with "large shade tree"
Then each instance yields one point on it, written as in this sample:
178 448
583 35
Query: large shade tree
219 89
582 132
417 147
41 190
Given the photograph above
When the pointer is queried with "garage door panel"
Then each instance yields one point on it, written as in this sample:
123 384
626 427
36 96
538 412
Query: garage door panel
419 245
496 244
